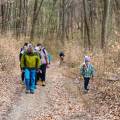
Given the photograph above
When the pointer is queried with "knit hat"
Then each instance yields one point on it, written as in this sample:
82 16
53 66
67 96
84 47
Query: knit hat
30 45
87 59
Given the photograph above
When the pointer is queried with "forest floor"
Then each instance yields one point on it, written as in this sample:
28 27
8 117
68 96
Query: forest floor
58 100
61 99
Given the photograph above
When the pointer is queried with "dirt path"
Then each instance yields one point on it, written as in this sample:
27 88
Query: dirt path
57 101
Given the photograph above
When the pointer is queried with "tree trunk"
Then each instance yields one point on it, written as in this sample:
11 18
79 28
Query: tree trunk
105 23
63 20
35 16
3 17
86 20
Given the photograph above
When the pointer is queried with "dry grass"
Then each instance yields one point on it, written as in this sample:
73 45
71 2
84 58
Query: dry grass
103 100
9 71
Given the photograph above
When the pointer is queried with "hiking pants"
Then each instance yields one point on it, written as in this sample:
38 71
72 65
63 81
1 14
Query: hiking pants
43 74
86 82
30 79
38 74
22 75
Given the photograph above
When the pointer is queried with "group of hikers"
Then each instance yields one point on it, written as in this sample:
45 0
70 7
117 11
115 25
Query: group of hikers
34 62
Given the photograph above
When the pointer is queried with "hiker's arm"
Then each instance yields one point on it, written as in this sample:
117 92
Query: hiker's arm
38 63
46 59
20 55
46 56
22 62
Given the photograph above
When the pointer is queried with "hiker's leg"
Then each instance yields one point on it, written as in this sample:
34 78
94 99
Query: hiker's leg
33 77
43 75
60 60
27 79
22 75
36 78
86 82
88 79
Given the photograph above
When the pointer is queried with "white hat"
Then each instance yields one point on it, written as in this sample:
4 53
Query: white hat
37 48
30 45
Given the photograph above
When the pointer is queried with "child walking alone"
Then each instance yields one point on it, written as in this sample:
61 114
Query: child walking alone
87 71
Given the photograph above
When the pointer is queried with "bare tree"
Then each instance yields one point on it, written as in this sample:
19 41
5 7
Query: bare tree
35 16
105 22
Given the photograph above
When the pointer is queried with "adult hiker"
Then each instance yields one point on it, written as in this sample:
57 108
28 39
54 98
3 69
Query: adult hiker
44 63
61 55
38 74
30 63
22 51
87 71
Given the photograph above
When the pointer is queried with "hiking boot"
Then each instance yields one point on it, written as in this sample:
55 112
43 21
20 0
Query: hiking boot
87 89
27 91
43 83
21 82
31 92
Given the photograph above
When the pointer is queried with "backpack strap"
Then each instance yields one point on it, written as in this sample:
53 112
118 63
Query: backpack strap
44 51
45 55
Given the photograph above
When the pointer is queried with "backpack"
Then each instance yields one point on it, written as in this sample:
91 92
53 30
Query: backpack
44 55
21 53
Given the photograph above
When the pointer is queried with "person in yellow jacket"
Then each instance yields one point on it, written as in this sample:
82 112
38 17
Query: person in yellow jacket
30 63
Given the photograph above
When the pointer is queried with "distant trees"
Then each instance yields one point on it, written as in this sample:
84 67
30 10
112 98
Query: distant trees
91 22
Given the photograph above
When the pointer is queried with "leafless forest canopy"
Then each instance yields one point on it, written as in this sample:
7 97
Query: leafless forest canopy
78 27
90 22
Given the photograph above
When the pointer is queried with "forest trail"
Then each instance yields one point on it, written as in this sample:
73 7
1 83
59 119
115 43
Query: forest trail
58 100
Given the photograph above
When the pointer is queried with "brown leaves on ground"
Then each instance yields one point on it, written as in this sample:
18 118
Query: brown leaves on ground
103 99
8 77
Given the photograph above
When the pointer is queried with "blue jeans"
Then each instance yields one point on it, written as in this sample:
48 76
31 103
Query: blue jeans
30 79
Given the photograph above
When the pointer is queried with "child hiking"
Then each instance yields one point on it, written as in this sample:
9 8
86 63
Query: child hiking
30 63
61 55
87 71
